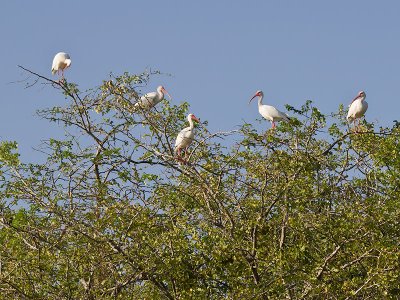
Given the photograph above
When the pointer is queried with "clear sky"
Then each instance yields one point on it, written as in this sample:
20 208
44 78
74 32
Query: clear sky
218 52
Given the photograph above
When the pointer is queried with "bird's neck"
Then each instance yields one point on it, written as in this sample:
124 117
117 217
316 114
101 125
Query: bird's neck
160 95
361 98
260 99
191 124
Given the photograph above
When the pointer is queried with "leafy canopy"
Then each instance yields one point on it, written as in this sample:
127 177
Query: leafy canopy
306 211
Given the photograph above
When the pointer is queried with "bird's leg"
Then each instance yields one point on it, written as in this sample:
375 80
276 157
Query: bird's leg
357 125
352 125
60 78
178 156
186 155
177 153
273 125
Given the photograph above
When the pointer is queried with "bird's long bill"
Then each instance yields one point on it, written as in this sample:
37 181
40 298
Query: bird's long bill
194 118
167 94
355 98
253 98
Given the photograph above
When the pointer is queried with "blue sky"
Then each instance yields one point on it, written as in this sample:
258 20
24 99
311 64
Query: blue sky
218 52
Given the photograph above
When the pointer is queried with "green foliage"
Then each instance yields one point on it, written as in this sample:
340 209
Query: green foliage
309 210
8 156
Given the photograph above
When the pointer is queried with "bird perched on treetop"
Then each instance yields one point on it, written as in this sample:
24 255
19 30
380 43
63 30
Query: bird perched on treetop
269 112
149 100
61 61
357 107
185 136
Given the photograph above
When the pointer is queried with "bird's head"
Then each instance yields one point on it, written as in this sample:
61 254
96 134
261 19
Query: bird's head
257 94
161 89
68 62
192 117
361 95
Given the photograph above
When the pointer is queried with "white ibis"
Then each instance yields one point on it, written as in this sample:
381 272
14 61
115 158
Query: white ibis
186 136
269 112
147 101
60 62
357 107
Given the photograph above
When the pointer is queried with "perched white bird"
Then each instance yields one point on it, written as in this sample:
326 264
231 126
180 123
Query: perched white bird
358 107
269 112
60 62
186 136
147 101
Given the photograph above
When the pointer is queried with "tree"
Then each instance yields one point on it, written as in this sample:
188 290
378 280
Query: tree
306 211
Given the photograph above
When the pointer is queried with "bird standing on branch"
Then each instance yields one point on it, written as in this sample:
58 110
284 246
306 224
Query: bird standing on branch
149 100
61 62
269 112
185 137
357 108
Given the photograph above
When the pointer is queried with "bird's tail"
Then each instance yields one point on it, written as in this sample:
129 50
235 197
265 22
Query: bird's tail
53 71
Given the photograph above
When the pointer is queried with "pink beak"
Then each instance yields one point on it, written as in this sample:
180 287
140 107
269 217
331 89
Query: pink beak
195 119
165 91
356 97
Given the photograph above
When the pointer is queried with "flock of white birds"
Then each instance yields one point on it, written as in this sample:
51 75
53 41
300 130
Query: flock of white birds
357 107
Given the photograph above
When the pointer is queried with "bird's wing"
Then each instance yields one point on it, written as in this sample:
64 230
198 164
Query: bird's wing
147 100
365 106
273 113
352 110
352 101
149 95
58 59
184 138
283 116
286 117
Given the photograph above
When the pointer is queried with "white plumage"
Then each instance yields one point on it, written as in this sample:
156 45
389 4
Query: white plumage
358 107
186 135
61 61
269 112
149 100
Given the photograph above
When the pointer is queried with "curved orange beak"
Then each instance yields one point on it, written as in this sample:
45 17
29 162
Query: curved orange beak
165 91
194 118
356 97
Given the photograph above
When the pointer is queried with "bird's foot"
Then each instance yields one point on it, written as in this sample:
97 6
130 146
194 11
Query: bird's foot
62 81
181 160
267 133
357 130
270 131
